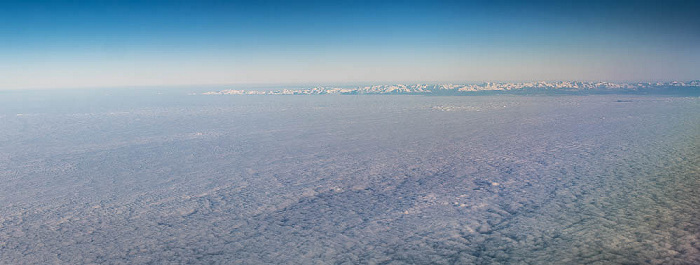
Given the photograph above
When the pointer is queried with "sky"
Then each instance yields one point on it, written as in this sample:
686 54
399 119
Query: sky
83 44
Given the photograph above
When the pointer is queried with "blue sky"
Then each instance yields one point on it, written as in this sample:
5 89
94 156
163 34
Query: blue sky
47 44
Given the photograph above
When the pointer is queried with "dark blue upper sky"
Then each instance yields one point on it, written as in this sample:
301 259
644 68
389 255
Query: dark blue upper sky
122 43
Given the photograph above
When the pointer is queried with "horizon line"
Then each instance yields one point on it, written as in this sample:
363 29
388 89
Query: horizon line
316 84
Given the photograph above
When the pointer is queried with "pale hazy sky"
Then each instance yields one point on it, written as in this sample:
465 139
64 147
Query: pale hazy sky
47 44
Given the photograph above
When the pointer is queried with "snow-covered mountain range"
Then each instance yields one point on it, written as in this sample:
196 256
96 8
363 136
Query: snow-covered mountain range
541 86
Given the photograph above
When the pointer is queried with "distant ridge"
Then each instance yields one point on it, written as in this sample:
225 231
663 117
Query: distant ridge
542 87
